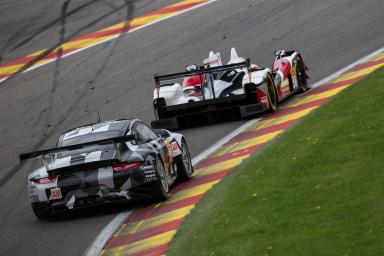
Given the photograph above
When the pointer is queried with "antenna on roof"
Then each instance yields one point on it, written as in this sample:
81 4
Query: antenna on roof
98 114
89 113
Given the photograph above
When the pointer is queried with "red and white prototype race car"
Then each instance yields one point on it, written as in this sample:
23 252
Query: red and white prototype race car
214 91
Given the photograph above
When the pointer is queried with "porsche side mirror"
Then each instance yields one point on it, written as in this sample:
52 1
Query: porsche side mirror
164 133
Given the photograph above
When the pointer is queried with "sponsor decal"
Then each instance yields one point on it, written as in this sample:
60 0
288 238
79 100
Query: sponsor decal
149 167
55 194
264 99
175 148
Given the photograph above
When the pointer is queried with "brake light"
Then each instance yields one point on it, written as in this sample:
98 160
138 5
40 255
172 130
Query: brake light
46 180
125 167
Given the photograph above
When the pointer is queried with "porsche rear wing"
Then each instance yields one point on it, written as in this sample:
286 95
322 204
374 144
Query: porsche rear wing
42 153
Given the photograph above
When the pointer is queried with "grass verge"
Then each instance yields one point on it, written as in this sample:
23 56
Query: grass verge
318 189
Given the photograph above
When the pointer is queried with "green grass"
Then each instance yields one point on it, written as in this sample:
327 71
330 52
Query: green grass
318 189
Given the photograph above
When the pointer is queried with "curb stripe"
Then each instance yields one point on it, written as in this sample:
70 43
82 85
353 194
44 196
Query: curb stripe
217 159
174 204
269 122
309 102
249 142
160 250
262 131
228 164
145 213
166 208
139 21
367 65
359 73
302 105
142 244
200 180
156 221
19 63
134 237
196 191
334 85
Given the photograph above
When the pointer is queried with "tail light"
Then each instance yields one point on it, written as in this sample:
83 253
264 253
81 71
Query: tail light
46 180
125 167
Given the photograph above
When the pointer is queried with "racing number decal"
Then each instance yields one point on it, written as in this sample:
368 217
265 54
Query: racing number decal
55 194
173 150
170 153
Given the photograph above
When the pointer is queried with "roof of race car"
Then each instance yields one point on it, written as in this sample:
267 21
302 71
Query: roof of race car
98 131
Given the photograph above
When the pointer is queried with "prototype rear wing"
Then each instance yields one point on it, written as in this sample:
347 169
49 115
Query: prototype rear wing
199 71
42 153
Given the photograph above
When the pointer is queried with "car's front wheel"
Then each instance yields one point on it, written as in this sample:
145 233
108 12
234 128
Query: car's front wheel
159 190
301 75
272 94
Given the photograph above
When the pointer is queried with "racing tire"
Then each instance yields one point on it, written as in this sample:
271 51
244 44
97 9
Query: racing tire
41 211
159 190
159 107
301 75
271 94
184 164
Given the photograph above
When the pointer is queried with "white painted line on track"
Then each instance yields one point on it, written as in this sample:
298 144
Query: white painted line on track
111 38
106 233
109 230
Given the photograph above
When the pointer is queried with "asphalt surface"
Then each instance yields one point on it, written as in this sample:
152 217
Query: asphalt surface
115 79
32 25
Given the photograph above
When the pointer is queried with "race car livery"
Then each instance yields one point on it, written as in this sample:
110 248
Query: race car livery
238 89
107 162
290 73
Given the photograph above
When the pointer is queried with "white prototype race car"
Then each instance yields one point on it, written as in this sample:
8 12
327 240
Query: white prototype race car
214 90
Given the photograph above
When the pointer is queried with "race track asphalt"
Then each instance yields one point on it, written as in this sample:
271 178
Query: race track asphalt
116 79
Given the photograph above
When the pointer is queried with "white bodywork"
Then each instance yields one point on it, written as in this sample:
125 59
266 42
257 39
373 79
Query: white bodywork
214 60
174 95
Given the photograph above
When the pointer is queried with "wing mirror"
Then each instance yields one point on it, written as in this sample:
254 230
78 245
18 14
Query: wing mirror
164 133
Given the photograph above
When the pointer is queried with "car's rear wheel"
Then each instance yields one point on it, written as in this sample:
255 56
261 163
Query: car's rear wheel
184 163
159 190
41 211
301 75
271 94
159 107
